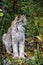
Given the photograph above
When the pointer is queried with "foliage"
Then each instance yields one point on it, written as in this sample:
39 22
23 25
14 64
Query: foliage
33 10
1 13
37 59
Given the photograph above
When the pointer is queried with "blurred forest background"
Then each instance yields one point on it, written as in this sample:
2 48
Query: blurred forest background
33 9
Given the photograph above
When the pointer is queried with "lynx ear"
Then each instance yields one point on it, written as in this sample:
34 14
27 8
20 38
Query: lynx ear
16 18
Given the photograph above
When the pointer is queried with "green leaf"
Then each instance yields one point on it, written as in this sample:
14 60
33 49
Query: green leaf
0 9
1 14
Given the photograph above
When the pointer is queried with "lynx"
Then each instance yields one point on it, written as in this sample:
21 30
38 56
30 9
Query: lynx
15 37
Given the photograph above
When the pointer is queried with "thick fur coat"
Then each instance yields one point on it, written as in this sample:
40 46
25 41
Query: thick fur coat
15 37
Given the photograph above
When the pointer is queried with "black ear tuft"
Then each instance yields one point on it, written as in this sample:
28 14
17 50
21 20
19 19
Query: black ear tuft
18 16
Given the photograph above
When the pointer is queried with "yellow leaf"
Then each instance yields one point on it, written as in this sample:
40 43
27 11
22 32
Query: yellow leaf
42 54
40 35
20 62
39 38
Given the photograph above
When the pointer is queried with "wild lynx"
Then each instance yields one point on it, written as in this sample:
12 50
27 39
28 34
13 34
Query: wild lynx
15 37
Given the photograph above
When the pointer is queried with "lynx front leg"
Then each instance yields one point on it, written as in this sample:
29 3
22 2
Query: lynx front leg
21 49
8 48
15 48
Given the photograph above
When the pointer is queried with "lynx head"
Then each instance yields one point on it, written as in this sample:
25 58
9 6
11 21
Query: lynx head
21 19
21 22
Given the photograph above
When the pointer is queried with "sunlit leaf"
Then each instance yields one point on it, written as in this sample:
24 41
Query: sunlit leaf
0 9
39 37
1 14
